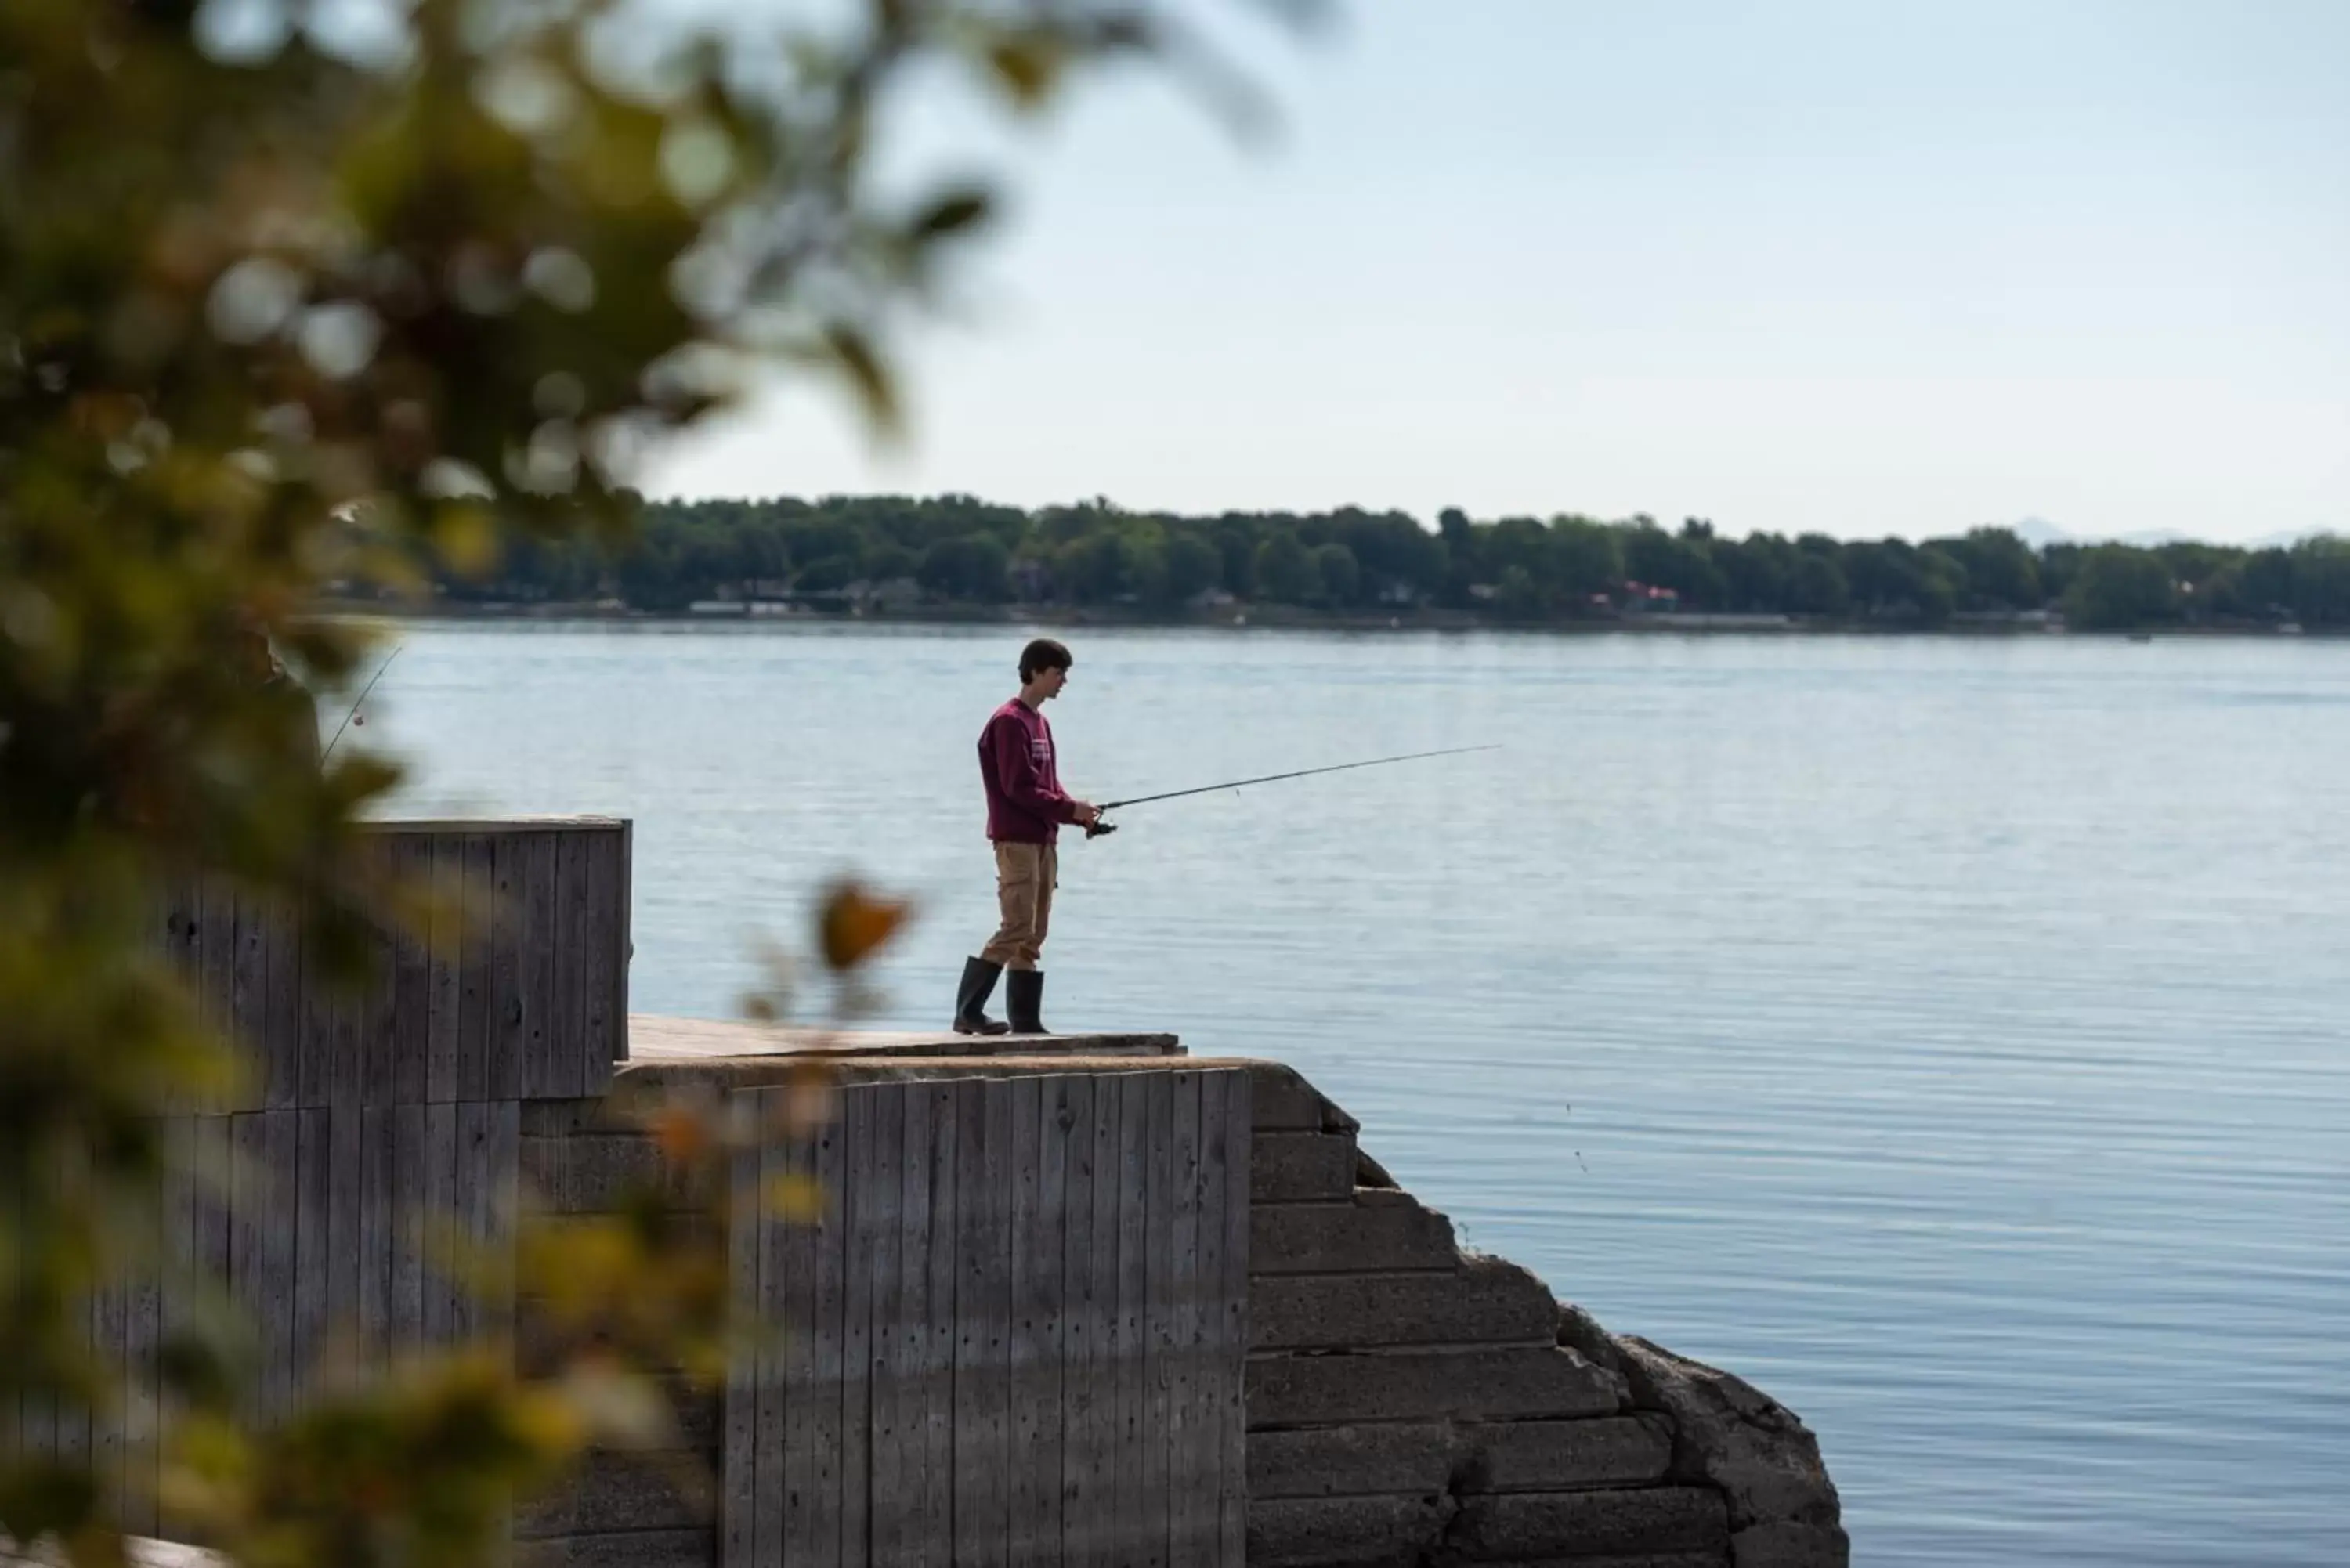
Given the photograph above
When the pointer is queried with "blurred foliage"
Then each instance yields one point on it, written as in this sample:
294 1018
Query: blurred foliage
353 292
957 550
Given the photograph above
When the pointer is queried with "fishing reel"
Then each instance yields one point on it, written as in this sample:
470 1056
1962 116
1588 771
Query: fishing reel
1100 827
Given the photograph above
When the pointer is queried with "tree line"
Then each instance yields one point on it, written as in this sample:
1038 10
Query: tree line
958 550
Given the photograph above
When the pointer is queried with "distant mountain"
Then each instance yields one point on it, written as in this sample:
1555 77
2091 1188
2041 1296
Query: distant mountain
2039 533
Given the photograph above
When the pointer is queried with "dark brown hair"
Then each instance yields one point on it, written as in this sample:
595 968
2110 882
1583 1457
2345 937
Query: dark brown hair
1042 654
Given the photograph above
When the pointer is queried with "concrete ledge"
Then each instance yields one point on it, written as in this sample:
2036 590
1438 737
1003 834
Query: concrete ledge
1301 1167
1374 1232
1488 1300
653 1079
656 1039
1535 1525
1497 1385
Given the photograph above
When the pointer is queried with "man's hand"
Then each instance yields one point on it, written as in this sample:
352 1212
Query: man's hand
1086 812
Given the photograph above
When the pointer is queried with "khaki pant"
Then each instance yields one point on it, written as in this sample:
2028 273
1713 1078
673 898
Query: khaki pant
1026 876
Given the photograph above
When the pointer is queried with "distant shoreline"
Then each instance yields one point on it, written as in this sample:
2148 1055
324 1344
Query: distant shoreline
1283 617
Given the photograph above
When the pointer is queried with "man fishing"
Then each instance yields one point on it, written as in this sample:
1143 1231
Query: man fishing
1026 808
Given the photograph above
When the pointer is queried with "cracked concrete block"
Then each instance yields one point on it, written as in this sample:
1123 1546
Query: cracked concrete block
1580 1332
1464 1457
1787 1544
1732 1435
1331 1461
1485 1301
1358 1236
1301 1167
1499 1384
1346 1531
1285 1102
1563 1456
1516 1526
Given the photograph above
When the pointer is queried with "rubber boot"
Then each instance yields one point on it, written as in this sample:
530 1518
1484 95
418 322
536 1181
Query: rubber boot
1023 996
970 998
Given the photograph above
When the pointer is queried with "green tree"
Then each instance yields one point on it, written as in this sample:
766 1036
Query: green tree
1940 586
2059 564
2000 572
1523 543
1817 587
975 566
1146 562
1285 570
2268 581
1193 567
887 562
1341 576
2321 580
1093 568
2120 587
1518 596
1757 572
1586 555
281 312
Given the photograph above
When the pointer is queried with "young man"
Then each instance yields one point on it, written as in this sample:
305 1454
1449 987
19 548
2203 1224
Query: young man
1026 808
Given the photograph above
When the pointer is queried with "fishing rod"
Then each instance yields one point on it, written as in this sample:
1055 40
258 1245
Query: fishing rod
1098 827
362 699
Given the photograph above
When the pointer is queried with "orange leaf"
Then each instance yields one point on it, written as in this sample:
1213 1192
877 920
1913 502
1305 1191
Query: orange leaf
854 924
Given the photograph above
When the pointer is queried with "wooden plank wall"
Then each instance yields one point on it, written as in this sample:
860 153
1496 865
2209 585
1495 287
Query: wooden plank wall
1016 1335
519 990
304 1194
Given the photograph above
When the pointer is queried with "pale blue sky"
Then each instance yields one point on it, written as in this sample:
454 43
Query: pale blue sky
1857 265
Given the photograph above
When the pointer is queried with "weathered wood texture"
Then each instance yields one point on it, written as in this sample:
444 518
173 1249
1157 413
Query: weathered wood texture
1002 1342
303 1198
513 985
308 1221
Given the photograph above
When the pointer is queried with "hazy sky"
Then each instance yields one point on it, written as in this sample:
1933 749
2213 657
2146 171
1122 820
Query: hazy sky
1857 266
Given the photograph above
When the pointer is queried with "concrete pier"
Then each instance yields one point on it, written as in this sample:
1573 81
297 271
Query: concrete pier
1404 1402
1074 1299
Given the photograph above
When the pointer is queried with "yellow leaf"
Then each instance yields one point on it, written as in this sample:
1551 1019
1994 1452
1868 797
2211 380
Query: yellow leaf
792 1197
467 537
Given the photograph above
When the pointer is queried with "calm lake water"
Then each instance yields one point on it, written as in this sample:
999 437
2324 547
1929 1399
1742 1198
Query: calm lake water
1951 1036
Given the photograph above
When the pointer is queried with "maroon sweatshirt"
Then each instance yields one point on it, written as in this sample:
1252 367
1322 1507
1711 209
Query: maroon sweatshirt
1025 800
